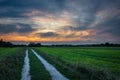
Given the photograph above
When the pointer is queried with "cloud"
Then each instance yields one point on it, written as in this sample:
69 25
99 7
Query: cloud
19 28
107 28
71 17
105 15
24 28
48 34
15 21
18 8
75 28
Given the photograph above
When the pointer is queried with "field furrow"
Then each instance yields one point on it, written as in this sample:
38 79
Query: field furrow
26 68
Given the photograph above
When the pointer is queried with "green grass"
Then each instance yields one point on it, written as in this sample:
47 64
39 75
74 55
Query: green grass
37 70
11 63
4 52
96 60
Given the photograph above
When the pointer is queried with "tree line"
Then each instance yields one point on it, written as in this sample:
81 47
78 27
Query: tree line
32 44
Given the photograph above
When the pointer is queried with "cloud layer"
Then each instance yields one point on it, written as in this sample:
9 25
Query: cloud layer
60 20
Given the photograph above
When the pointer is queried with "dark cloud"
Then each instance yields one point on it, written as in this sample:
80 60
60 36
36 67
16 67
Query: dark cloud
71 36
110 27
74 28
20 28
48 34
85 10
24 28
16 8
4 29
13 8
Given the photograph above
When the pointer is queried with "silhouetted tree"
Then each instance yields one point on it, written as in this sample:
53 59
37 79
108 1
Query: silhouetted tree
107 44
32 44
5 44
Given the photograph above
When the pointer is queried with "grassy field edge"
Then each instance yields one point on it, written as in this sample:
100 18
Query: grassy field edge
76 72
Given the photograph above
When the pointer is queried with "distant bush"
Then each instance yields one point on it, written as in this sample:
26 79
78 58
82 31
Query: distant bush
34 44
5 44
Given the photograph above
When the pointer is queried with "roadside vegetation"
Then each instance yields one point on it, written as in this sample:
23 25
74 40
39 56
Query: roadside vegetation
37 70
84 63
11 63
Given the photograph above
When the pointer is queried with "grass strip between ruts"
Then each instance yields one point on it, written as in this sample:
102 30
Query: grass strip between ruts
37 70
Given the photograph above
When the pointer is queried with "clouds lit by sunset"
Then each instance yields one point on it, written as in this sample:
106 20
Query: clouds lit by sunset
76 21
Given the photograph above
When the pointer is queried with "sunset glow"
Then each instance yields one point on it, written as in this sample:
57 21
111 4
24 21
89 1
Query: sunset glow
87 21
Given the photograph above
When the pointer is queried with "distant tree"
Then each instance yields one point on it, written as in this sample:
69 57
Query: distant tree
5 44
38 44
32 44
107 44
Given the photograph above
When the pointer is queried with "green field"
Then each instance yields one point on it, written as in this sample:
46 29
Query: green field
11 62
76 63
101 62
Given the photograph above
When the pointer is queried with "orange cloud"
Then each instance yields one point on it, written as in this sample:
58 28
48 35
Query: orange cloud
48 23
33 37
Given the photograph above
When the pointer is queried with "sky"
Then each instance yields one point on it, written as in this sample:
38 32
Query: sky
60 21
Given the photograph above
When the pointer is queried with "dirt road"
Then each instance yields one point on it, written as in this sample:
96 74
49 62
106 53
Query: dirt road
26 68
55 74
